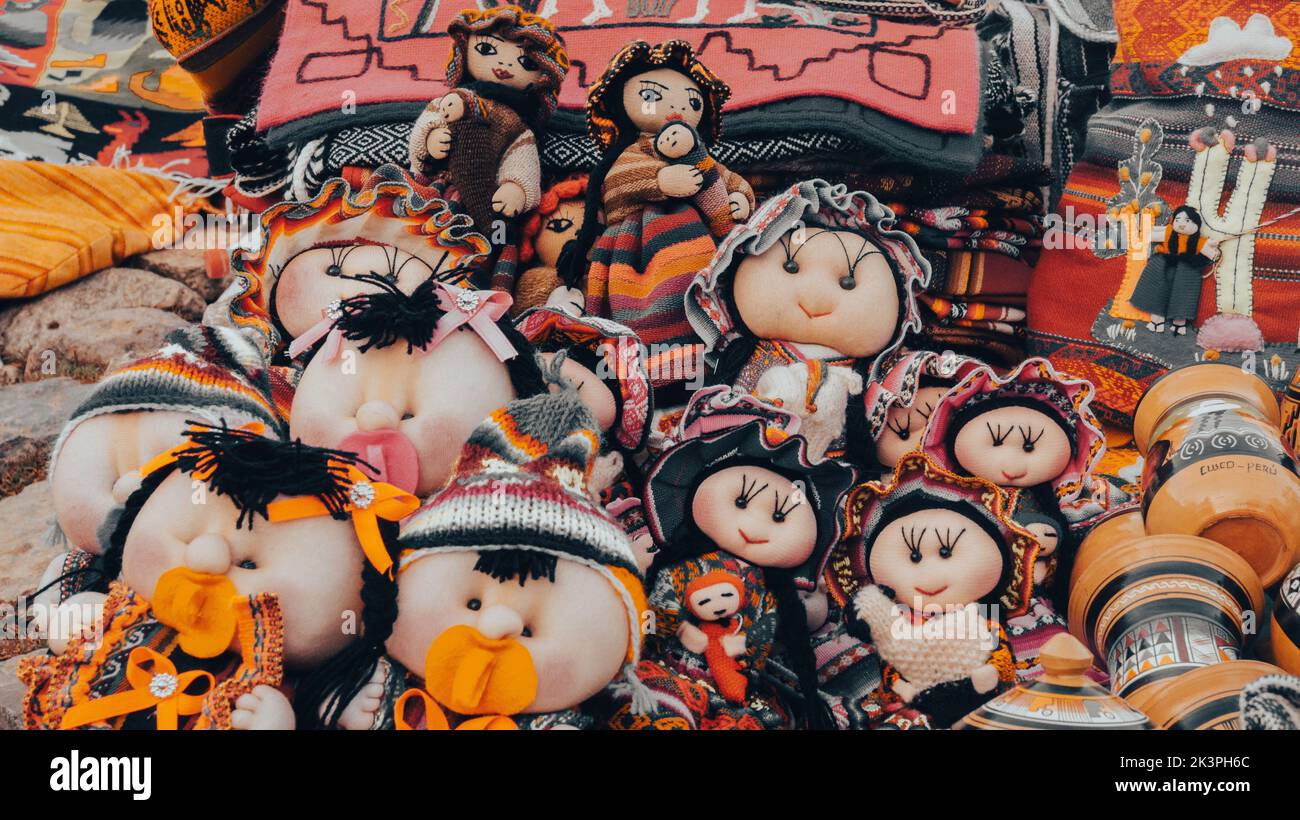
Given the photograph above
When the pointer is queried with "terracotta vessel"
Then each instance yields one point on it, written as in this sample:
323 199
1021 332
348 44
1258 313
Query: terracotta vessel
1062 698
1205 698
1216 465
1163 605
1113 531
1284 637
1291 413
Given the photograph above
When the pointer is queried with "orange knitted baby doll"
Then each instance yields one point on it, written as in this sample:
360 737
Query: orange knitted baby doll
714 599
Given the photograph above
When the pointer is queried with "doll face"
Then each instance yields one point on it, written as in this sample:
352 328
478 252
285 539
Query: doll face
574 628
494 60
1013 447
1183 223
306 286
905 426
675 141
557 229
1048 539
593 392
810 306
756 514
313 565
714 602
936 557
653 98
405 414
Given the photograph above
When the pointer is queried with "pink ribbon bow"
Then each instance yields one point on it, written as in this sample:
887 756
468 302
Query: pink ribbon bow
313 334
480 309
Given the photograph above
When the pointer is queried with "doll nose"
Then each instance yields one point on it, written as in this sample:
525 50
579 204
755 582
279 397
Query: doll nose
377 415
497 622
209 553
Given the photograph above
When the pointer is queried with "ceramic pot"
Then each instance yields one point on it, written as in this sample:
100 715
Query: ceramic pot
1062 698
1284 637
1113 531
1216 465
1204 698
1162 605
1290 424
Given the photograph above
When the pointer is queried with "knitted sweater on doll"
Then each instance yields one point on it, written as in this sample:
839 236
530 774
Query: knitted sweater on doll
948 647
633 181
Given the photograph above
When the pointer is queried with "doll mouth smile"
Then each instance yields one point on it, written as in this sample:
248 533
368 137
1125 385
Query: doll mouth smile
930 593
749 540
1010 477
810 315
502 74
674 117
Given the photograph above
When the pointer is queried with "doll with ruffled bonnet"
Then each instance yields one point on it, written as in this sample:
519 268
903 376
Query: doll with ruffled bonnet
226 578
505 71
931 554
900 404
517 600
544 235
742 500
653 235
800 303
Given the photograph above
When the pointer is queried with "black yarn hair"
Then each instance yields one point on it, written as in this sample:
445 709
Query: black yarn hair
526 103
736 353
380 319
1196 217
792 632
524 565
108 564
525 370
321 696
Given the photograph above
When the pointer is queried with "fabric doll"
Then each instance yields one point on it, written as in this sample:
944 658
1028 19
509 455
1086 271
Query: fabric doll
1170 285
679 143
815 277
654 236
899 405
713 629
545 233
505 71
210 612
734 497
517 599
930 552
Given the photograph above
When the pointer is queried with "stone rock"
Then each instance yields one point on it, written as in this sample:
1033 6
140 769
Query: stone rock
25 520
31 416
24 326
100 342
185 266
11 696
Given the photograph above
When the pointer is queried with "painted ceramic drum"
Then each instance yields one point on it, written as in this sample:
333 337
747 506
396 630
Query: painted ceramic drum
1062 698
1112 531
1216 465
1205 698
1284 637
1163 605
1290 424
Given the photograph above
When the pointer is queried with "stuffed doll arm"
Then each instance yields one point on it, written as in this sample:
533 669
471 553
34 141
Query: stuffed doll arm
632 182
692 638
519 179
739 193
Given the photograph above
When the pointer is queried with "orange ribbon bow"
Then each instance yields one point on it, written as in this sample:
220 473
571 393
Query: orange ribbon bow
435 718
154 682
368 501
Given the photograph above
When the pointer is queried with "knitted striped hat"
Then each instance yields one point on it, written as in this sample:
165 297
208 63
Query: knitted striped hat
521 484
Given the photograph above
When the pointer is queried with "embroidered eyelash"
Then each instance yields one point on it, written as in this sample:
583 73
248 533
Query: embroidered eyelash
948 542
748 491
999 436
779 508
1028 437
913 542
847 282
902 432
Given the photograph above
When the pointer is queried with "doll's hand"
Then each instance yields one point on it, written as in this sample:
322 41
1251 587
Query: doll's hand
263 708
984 678
680 180
906 690
438 143
1211 249
734 645
739 206
360 713
692 638
1040 572
78 617
452 107
97 468
509 199
570 300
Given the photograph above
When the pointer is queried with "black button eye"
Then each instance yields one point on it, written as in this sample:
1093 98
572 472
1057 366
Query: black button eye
791 266
248 563
778 517
742 502
1029 447
334 270
848 282
474 604
527 633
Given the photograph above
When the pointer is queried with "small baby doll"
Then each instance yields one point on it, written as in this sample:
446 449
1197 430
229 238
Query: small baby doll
714 601
932 552
505 71
653 235
679 142
546 232
736 497
817 276
209 611
899 406
517 600
1170 285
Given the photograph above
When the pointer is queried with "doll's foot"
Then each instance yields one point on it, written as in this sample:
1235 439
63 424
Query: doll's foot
263 708
1156 327
1180 328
